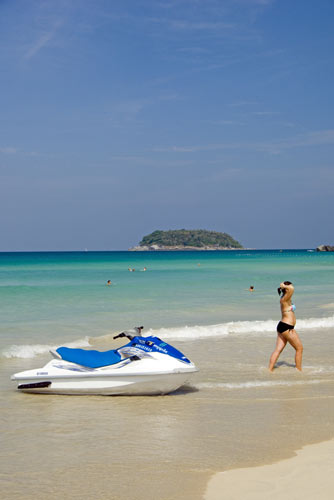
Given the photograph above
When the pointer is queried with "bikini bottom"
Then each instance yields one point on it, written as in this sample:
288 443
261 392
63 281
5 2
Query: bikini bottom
283 327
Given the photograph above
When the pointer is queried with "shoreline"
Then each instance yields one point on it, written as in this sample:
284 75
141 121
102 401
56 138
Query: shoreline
306 475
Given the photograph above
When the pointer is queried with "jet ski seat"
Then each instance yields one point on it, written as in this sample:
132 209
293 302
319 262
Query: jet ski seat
90 359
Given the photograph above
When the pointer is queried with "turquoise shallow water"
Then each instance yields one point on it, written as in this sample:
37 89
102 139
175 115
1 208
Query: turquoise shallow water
52 298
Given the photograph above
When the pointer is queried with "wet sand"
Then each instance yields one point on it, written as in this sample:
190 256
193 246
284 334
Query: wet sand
234 415
307 475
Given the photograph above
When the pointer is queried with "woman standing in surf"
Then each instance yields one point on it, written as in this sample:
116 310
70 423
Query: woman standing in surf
286 327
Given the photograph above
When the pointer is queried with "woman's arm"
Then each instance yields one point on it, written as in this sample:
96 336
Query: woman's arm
288 292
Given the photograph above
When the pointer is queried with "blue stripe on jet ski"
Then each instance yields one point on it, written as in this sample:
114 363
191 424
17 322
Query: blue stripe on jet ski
91 359
154 344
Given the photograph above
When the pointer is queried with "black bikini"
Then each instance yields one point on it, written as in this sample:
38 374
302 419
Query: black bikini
283 327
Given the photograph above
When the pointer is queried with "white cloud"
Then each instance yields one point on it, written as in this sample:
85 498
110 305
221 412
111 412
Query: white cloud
8 150
199 26
43 40
39 44
321 137
265 113
255 2
242 103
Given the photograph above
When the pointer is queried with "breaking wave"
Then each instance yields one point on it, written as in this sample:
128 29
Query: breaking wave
236 328
30 351
183 333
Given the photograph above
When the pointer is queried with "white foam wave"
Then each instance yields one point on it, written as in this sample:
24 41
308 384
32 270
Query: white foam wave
318 369
305 324
30 351
220 330
183 333
235 327
255 383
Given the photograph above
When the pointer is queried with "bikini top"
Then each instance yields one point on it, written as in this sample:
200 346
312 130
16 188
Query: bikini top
292 308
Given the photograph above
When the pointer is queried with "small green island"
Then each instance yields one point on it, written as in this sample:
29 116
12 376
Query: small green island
187 239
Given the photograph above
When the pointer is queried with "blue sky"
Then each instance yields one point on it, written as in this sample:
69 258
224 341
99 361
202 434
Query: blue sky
120 117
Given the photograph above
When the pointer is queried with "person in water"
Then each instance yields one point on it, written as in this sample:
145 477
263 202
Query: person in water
286 327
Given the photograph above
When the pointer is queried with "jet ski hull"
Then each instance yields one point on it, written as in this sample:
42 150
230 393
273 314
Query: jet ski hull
136 385
142 377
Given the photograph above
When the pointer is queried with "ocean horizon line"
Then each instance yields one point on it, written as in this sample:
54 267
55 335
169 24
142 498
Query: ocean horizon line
162 251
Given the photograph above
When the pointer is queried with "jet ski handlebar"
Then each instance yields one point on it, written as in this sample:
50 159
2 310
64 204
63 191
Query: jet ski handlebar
123 334
136 332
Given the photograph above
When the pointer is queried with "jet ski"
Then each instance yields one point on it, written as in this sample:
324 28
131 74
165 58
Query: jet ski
143 366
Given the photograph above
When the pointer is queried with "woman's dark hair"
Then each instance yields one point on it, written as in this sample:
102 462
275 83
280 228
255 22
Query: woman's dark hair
280 290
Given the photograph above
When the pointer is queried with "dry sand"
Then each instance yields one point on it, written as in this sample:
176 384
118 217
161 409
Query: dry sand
307 476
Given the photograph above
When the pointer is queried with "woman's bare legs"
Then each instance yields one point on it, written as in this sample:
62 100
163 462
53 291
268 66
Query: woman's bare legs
293 339
280 344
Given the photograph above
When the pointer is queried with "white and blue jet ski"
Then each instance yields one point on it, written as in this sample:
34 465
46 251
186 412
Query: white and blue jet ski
143 366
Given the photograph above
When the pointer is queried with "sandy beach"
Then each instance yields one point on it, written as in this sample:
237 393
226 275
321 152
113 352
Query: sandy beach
173 447
307 475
